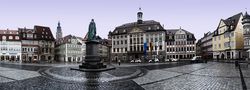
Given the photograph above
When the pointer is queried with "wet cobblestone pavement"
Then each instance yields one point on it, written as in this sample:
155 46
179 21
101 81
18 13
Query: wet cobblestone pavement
168 76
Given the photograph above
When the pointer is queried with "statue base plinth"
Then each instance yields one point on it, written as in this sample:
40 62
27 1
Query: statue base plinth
92 60
93 66
82 68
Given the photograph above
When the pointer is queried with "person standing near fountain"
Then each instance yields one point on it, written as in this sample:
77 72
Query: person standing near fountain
119 62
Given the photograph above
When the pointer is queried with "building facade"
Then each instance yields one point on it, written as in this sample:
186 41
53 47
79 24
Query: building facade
180 44
104 49
30 45
228 42
10 45
246 33
70 49
37 44
204 47
142 40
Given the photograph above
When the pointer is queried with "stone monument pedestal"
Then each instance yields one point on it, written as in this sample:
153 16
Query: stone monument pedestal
92 59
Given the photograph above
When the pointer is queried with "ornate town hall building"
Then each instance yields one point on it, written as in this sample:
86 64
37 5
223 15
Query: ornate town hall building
138 40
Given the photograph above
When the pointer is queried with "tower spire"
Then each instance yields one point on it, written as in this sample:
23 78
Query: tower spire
58 31
139 16
59 25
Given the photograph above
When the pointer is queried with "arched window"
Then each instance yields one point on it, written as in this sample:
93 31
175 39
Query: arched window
17 37
4 37
10 37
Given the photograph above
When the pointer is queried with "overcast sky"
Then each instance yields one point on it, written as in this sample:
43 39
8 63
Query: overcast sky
196 16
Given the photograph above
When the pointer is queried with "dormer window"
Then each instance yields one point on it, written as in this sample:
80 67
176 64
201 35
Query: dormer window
4 37
190 36
10 37
17 37
158 27
124 30
232 27
149 28
116 31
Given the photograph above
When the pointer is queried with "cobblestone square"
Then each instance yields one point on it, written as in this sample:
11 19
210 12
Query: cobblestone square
196 76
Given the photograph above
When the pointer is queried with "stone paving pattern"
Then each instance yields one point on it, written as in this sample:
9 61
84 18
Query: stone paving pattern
213 76
9 74
170 76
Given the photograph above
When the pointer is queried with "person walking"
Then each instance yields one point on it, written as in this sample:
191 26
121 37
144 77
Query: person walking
119 62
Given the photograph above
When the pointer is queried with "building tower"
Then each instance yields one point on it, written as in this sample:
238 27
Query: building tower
58 31
139 16
246 33
246 22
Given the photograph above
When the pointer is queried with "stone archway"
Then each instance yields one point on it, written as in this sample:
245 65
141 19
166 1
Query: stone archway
43 58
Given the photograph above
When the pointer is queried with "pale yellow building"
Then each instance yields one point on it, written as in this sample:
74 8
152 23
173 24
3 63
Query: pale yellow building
228 42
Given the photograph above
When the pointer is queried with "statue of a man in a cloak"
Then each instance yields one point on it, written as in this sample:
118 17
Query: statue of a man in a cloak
92 31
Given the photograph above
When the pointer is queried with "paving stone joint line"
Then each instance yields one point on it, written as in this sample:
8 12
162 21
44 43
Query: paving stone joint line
175 76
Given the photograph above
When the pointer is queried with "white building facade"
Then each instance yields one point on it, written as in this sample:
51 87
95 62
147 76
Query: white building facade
70 49
180 44
142 40
10 45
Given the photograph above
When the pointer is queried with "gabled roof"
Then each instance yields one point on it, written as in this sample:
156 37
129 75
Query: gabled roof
133 24
146 26
67 38
42 32
9 32
231 21
173 31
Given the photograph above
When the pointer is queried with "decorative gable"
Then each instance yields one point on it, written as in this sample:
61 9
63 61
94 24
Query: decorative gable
136 30
222 23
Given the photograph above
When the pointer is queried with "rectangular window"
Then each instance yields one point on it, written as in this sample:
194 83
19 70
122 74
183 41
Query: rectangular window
160 48
118 50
